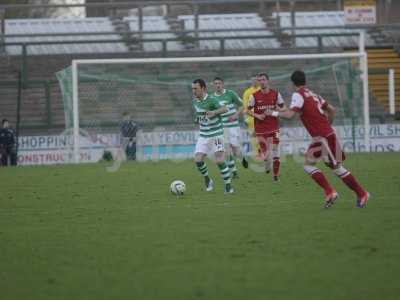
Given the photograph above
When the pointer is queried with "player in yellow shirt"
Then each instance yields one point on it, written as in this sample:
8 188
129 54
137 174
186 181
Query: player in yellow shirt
249 120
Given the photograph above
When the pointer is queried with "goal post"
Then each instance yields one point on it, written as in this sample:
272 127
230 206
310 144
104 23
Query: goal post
75 112
363 57
104 82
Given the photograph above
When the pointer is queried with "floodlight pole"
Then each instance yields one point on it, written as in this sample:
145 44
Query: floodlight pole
364 72
75 111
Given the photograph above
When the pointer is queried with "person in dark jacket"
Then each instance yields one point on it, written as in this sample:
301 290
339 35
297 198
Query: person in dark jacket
8 155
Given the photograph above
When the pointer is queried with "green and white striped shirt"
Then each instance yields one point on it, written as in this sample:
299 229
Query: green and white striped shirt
232 101
209 127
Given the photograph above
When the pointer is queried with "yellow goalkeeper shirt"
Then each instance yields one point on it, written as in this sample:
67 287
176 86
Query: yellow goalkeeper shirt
246 96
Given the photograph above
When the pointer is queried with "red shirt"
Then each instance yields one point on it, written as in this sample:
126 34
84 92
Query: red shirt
262 101
310 106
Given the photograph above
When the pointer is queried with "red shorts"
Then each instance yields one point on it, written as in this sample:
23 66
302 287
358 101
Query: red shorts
328 149
266 139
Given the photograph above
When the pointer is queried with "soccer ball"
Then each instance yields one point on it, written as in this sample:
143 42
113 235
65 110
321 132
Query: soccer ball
178 187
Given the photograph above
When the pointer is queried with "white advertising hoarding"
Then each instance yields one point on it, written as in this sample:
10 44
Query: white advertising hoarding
155 145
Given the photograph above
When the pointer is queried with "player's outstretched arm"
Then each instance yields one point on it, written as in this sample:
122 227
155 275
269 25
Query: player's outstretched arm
280 105
330 112
282 108
287 114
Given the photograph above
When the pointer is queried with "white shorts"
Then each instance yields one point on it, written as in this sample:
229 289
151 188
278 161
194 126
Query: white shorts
232 136
210 145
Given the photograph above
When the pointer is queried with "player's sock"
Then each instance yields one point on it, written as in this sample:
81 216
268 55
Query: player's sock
267 165
255 147
232 165
245 163
202 167
321 180
319 177
224 170
275 166
350 181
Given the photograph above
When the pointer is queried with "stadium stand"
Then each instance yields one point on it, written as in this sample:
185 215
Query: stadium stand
392 36
37 115
321 19
379 62
154 23
230 22
8 94
44 60
147 106
60 26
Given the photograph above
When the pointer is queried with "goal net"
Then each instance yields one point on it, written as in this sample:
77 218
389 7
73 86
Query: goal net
154 96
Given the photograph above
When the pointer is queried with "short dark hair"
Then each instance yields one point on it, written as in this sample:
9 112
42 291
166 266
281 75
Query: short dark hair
218 78
3 121
201 82
298 78
263 74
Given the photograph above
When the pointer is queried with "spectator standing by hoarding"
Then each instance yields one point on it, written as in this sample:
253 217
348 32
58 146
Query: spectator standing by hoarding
8 155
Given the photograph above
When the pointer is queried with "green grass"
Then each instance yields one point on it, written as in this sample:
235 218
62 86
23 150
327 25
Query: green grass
80 232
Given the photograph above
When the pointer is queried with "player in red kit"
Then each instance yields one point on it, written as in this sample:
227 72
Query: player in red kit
317 115
267 127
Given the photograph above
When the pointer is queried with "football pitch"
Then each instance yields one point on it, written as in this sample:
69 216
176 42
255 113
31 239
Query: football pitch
81 232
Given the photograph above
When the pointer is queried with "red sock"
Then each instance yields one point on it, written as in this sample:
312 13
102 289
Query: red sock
353 184
275 166
321 180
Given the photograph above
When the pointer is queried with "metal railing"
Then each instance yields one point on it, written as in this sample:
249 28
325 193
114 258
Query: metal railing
185 31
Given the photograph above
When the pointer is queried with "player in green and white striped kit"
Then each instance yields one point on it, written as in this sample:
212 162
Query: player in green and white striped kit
211 135
230 121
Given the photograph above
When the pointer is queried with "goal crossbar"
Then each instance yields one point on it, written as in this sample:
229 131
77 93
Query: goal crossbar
216 58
